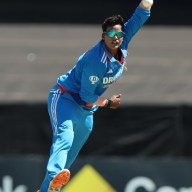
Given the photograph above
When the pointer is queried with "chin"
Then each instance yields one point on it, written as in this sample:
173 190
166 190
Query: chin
115 47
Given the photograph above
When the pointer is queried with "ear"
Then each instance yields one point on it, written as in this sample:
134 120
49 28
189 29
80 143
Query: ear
103 36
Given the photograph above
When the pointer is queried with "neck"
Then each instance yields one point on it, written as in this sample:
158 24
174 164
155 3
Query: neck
116 54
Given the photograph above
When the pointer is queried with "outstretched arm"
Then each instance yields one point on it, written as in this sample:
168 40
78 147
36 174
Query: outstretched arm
139 17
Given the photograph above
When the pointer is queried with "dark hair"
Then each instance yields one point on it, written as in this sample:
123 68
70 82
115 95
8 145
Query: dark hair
111 21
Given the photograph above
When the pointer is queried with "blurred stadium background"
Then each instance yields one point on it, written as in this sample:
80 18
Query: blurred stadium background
148 146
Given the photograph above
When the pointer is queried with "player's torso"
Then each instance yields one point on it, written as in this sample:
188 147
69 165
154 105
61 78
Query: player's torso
101 68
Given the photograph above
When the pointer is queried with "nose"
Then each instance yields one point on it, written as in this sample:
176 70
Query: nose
115 37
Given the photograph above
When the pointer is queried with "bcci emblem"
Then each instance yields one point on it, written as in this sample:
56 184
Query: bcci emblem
93 79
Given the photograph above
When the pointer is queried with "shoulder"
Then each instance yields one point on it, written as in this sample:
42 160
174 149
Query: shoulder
94 51
94 56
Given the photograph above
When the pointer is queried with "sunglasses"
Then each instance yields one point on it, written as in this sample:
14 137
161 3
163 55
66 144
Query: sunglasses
119 34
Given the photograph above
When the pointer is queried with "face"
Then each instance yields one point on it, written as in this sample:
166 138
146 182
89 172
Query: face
113 43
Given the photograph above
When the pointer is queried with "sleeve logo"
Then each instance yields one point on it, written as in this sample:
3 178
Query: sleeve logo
93 79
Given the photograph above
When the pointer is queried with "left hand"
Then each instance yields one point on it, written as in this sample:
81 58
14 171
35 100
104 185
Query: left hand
115 101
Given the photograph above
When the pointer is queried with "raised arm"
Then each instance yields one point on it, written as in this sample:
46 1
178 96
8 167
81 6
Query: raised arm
139 17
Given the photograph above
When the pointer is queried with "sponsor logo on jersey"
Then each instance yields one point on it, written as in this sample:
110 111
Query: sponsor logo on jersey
108 80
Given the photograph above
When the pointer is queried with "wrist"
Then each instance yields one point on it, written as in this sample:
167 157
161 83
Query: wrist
108 103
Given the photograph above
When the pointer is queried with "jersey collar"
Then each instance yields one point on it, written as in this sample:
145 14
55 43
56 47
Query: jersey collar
111 58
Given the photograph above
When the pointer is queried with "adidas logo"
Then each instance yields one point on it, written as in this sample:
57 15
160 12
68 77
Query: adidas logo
110 71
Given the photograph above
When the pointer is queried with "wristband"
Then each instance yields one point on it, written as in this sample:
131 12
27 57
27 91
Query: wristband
109 104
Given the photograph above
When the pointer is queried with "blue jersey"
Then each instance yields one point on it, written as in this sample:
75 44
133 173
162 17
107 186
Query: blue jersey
97 69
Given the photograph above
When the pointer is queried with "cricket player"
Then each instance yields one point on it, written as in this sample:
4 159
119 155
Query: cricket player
77 94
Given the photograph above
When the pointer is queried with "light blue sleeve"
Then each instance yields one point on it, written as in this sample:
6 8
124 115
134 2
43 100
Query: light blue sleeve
137 20
91 77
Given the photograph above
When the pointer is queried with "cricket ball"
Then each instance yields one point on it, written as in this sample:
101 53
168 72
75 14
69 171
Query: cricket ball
147 3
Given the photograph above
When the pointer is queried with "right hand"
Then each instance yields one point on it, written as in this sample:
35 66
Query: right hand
116 101
146 4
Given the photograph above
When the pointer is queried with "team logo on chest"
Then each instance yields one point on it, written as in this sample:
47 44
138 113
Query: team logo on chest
93 79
